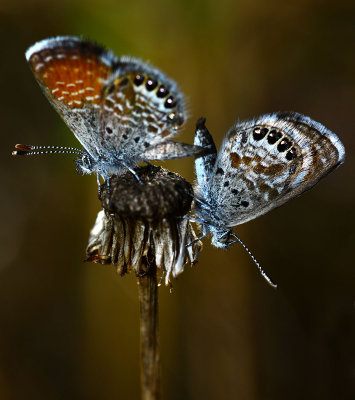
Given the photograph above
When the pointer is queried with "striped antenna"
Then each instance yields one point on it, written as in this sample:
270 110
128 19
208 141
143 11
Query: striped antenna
262 272
28 150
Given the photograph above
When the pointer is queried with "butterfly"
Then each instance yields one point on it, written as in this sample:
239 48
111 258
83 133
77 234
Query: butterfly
262 164
121 110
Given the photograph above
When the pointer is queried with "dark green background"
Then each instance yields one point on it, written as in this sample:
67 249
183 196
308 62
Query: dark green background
68 329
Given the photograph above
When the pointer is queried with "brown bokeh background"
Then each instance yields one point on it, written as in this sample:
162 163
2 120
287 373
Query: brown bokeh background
68 329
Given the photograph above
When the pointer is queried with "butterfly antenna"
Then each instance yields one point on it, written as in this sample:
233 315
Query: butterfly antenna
262 272
28 150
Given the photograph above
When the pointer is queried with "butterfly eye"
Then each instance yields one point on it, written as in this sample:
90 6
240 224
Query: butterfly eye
291 154
285 144
273 137
259 133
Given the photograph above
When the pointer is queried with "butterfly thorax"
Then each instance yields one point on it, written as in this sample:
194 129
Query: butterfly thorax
206 213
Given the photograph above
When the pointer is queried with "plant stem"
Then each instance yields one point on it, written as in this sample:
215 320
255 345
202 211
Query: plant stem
149 334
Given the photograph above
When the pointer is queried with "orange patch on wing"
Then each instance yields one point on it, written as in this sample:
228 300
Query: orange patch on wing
250 184
272 169
266 189
235 159
72 78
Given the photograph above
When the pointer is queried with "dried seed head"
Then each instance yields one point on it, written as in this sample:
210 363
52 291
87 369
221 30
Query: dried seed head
142 223
160 194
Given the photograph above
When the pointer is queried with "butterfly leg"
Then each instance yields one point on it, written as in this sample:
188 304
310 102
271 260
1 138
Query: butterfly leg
108 184
204 234
196 240
133 172
262 272
98 182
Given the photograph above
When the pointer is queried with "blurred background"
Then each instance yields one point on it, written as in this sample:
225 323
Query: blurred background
69 329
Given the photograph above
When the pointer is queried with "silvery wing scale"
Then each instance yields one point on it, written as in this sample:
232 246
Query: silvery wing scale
122 111
262 164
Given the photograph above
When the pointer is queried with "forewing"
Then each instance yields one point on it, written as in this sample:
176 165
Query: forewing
204 165
72 72
141 108
269 160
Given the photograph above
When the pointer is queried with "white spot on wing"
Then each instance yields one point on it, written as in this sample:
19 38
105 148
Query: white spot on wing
39 66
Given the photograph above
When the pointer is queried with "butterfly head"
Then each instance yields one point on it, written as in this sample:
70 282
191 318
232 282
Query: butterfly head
221 238
85 164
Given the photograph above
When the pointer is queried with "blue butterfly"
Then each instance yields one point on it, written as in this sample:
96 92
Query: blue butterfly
262 164
121 110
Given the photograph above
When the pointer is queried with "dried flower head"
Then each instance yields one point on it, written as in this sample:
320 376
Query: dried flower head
142 223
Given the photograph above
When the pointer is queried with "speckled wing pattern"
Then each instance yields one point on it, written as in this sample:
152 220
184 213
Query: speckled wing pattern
122 110
265 162
72 73
144 106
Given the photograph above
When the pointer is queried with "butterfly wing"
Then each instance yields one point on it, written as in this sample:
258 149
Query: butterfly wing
204 165
72 73
141 109
267 161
